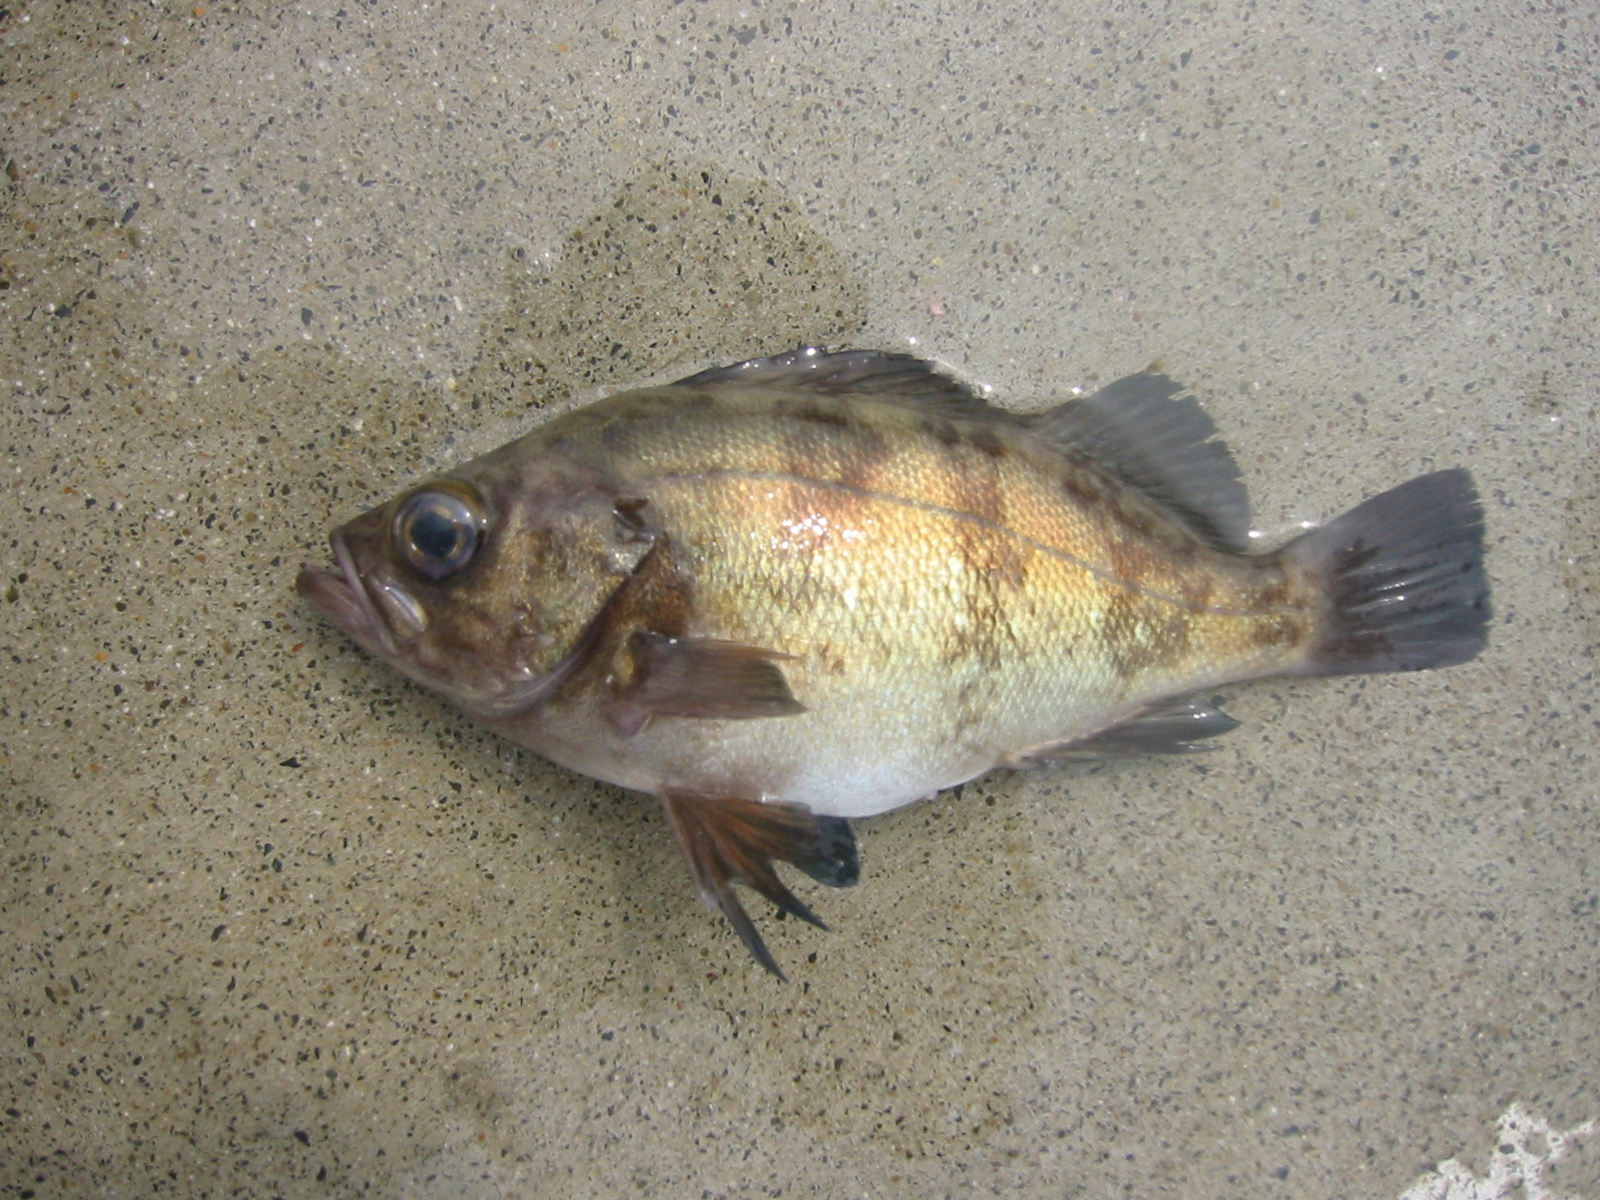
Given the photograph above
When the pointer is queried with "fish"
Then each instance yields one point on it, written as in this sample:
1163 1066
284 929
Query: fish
804 589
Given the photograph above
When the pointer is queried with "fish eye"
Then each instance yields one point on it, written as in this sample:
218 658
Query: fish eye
437 530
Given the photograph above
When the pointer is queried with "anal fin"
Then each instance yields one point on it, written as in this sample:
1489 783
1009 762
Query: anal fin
705 678
1166 727
728 840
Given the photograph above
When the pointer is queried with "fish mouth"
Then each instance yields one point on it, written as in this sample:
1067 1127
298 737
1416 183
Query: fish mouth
386 620
342 596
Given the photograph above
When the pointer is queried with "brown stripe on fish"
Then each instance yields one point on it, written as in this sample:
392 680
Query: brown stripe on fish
1127 509
950 433
821 441
1281 631
976 485
863 457
970 710
992 562
984 439
979 629
1276 589
1086 486
940 429
626 419
814 411
1141 634
1198 591
1130 560
680 403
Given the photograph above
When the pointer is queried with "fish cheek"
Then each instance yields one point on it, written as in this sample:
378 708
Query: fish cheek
546 582
460 652
514 612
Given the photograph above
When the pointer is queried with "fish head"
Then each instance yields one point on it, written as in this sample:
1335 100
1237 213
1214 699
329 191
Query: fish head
486 583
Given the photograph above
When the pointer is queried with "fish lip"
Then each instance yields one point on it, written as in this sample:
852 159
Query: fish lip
343 597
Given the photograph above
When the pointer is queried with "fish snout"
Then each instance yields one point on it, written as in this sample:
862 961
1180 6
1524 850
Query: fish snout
342 596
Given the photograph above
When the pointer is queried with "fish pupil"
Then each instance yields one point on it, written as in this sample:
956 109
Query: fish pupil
436 535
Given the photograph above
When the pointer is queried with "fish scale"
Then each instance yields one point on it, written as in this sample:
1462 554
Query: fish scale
979 663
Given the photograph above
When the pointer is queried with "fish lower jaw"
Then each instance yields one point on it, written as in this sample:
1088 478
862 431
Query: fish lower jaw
347 605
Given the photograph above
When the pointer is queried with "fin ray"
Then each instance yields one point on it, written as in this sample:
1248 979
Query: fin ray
1147 433
704 678
1405 579
1166 727
728 840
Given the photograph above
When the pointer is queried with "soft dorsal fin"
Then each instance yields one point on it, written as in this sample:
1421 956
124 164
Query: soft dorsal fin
1159 441
878 373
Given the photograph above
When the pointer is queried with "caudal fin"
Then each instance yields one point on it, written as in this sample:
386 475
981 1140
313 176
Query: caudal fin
1405 582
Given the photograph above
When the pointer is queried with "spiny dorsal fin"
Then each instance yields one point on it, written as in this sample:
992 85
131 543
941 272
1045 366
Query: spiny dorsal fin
1147 434
877 373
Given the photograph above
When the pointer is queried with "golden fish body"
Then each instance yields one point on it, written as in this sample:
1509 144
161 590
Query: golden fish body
818 587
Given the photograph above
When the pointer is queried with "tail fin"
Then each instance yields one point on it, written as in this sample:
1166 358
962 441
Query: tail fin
1405 581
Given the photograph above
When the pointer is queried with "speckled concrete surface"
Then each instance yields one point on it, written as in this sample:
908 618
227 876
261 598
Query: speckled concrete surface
274 922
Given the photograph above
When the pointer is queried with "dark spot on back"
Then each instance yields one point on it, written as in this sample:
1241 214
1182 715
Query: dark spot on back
1275 594
942 431
864 457
1279 631
1082 487
984 440
818 415
694 402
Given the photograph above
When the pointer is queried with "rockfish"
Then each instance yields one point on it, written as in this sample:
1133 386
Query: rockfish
802 589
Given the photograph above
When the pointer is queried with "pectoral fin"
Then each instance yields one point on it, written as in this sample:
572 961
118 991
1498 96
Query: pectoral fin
1168 727
701 677
728 840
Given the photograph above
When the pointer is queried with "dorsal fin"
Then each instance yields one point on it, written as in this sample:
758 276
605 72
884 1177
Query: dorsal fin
1159 441
878 373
